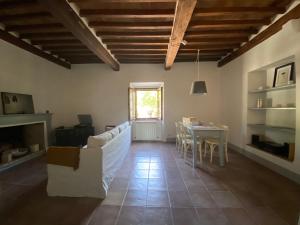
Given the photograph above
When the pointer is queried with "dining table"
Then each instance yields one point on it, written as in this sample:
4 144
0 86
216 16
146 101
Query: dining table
199 133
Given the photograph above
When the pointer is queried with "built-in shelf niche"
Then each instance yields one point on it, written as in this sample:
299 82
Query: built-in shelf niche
276 119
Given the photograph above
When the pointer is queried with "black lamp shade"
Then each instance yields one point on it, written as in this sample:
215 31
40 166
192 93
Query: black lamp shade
198 88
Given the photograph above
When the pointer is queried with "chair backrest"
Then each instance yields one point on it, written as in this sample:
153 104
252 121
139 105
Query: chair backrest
185 131
182 130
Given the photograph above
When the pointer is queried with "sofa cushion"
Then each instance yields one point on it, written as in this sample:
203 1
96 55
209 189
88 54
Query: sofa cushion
114 132
99 140
122 127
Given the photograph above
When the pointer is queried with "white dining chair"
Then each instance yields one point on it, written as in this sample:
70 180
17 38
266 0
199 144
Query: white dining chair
188 143
212 143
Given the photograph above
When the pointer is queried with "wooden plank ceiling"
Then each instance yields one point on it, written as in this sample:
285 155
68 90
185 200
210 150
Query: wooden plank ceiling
138 31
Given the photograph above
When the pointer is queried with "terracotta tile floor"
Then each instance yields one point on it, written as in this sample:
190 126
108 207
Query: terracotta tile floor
156 187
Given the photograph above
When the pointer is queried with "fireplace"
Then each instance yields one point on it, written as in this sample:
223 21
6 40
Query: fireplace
23 137
21 141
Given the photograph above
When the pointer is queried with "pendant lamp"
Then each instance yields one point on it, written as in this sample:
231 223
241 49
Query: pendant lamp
198 87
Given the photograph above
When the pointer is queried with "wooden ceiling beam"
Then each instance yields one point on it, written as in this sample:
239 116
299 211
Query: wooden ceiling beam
70 51
127 33
137 47
169 13
19 7
220 11
138 44
66 52
244 32
227 23
211 46
161 51
200 41
163 56
135 29
61 10
36 28
46 45
48 36
58 41
141 52
26 16
67 55
135 42
30 48
110 26
128 13
210 59
84 60
134 37
218 40
203 50
122 1
163 40
264 35
166 35
162 61
64 48
183 14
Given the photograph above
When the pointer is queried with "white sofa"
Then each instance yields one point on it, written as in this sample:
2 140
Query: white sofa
100 159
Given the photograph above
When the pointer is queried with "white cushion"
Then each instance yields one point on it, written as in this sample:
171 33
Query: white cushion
99 140
122 127
114 132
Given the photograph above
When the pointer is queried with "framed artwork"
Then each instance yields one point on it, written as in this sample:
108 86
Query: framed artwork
283 75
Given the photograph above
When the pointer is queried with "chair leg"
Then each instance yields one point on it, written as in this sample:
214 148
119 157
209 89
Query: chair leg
184 151
205 147
211 152
200 151
181 148
226 154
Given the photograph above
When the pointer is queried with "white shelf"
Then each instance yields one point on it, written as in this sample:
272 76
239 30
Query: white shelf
285 87
264 126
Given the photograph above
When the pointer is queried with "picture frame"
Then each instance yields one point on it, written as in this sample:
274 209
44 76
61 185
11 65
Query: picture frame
284 75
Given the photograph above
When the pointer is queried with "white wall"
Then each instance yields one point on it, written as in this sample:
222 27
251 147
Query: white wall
98 90
234 76
23 72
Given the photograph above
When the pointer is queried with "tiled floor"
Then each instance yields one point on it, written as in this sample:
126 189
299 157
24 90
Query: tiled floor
156 187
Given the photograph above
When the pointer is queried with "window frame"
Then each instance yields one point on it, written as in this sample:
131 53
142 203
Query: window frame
158 89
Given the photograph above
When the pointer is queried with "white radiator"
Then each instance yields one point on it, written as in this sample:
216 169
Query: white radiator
147 131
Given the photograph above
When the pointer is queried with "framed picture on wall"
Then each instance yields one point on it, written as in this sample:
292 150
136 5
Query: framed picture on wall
284 75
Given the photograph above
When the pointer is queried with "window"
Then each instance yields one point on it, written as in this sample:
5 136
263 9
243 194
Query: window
145 103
